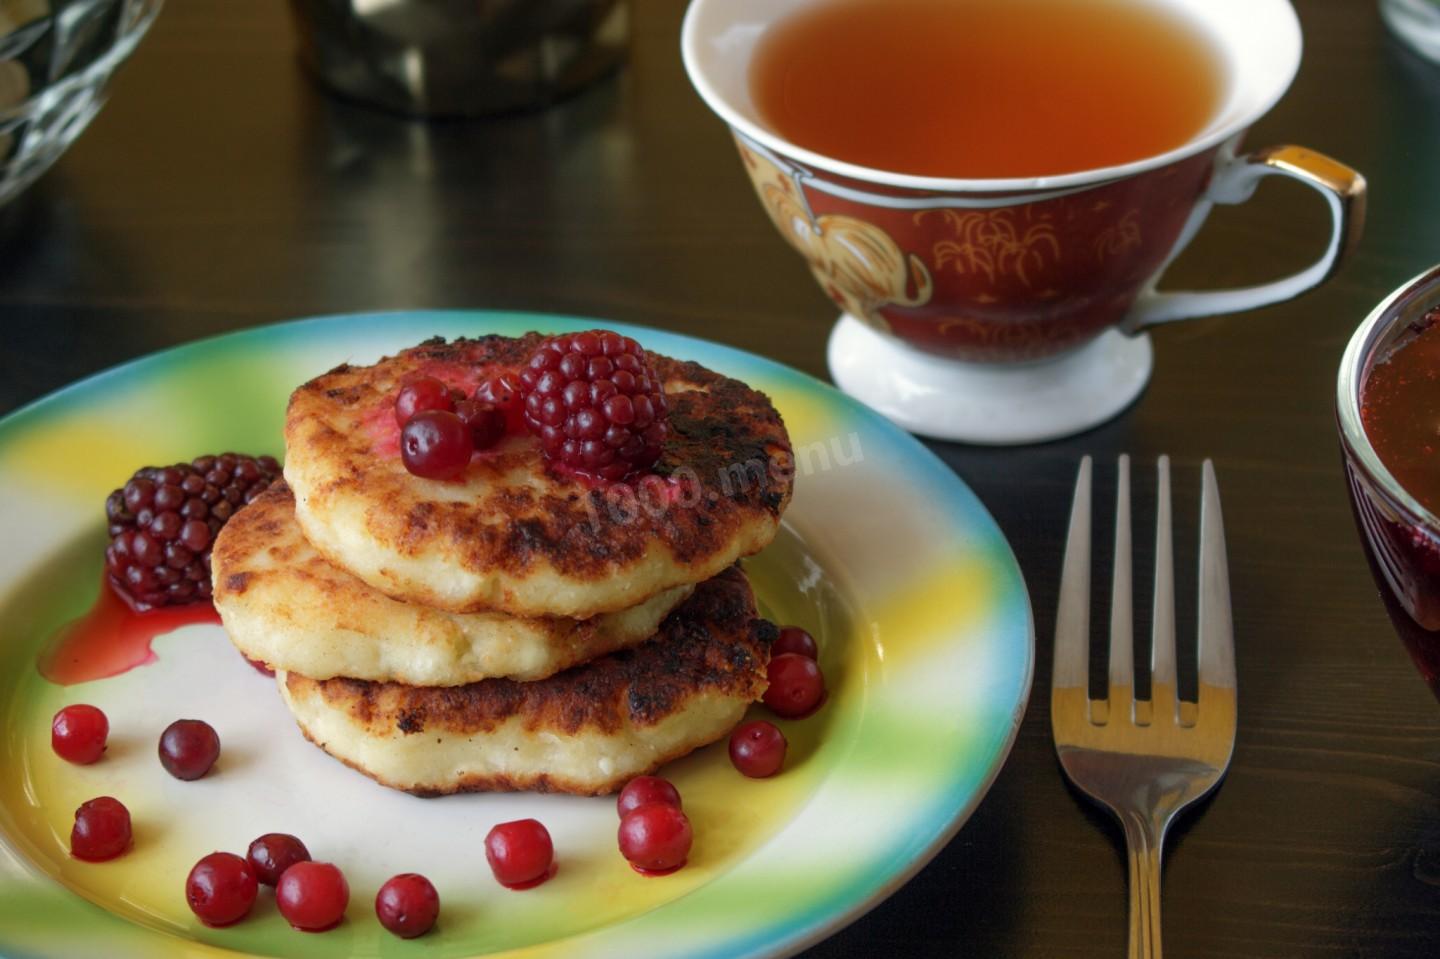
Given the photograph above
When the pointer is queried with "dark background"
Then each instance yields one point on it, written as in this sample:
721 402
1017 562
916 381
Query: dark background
220 190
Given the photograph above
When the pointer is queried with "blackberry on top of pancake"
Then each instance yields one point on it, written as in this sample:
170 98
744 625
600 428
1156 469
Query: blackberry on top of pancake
516 531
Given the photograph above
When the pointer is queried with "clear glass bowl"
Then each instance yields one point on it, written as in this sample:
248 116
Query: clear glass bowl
56 56
1417 22
1401 536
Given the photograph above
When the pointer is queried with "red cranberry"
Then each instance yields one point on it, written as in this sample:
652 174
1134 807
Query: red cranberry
436 444
795 640
312 896
162 523
421 393
501 392
643 790
796 685
272 854
486 423
407 905
78 733
101 830
595 403
757 749
188 748
520 853
220 889
655 838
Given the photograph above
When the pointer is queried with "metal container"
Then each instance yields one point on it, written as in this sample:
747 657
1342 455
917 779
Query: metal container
437 58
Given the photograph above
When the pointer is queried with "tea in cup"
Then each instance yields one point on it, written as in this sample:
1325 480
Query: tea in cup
991 189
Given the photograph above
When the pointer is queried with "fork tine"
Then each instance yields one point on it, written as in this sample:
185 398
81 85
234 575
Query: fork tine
1217 636
1122 617
1072 617
1162 643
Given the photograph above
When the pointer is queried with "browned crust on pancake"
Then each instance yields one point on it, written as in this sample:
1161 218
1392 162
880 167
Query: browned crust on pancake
714 643
539 783
280 599
723 433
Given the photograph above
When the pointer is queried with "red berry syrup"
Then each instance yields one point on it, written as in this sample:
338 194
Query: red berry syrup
113 638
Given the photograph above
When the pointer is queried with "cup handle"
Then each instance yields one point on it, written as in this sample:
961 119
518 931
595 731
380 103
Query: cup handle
1235 182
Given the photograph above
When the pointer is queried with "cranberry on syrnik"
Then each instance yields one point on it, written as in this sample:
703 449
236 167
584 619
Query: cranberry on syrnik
520 853
188 748
436 444
420 394
312 896
101 831
595 404
486 422
407 905
501 392
220 889
643 790
78 734
757 749
655 838
163 521
796 685
272 854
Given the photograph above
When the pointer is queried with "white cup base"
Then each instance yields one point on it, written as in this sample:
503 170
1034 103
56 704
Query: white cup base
987 403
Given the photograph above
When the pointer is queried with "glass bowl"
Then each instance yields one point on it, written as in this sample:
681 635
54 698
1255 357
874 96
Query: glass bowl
56 57
1401 536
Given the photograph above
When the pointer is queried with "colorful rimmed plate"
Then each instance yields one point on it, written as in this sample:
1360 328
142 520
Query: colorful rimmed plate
922 616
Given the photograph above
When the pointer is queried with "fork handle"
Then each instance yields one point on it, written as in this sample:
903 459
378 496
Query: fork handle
1144 838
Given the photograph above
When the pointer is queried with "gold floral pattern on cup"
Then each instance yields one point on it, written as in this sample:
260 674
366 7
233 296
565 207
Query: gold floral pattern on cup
859 265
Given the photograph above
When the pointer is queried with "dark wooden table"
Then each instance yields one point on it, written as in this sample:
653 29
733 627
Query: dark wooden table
219 190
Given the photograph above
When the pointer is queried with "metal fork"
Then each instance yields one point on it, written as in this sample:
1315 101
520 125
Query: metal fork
1144 760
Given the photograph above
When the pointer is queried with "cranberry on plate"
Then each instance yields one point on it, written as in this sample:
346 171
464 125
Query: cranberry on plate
101 831
272 854
757 749
796 685
188 748
312 896
407 905
221 889
655 838
520 853
78 734
643 790
795 640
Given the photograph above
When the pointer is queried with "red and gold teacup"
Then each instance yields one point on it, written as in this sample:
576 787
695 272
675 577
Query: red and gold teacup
1011 310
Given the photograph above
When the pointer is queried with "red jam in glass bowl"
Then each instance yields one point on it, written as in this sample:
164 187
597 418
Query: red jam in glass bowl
1388 414
1400 410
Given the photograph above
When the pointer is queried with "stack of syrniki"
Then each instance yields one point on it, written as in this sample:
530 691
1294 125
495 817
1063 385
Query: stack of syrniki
520 626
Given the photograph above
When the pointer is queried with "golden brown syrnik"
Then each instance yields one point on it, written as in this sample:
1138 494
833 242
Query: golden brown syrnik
284 605
515 533
587 730
518 626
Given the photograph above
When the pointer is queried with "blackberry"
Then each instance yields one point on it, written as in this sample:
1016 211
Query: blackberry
163 521
595 404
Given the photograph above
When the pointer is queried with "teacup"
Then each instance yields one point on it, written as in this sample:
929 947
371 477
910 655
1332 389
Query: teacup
1012 310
